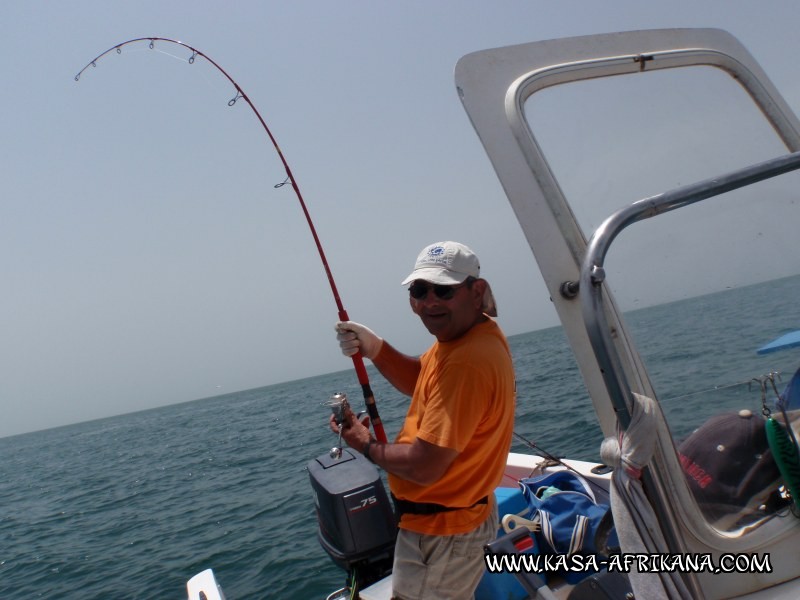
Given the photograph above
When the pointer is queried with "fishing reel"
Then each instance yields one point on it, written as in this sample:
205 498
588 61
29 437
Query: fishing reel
338 405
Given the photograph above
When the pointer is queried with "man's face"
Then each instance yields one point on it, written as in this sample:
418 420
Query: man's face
449 318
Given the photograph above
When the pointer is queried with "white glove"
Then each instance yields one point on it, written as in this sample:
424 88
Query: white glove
354 337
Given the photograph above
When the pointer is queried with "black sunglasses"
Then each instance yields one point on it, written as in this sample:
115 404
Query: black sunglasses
419 290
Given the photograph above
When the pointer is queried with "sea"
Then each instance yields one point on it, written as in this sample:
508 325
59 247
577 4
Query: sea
132 506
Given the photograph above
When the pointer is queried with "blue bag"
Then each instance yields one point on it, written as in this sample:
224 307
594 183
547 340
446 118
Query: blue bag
569 515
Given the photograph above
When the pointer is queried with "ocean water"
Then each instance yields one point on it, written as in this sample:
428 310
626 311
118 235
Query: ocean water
133 506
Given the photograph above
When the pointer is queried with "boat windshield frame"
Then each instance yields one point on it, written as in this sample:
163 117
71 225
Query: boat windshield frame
494 87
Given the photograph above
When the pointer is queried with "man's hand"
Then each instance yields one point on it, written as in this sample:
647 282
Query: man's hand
354 432
354 337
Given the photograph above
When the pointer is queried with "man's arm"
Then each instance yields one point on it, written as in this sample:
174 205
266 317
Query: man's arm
420 462
399 369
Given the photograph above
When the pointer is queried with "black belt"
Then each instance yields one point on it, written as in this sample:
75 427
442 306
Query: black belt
402 507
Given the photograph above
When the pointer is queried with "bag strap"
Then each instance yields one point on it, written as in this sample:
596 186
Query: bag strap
576 539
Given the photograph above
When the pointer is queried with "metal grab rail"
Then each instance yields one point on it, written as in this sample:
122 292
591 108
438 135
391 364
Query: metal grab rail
593 272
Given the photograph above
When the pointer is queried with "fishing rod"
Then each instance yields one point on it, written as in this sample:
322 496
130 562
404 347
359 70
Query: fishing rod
358 361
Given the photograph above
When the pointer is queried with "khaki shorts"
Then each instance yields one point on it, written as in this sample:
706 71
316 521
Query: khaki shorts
440 567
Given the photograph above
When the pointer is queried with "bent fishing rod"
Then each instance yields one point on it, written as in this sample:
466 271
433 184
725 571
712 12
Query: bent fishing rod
358 361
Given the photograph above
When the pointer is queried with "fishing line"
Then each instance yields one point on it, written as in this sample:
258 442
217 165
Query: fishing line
545 454
715 389
358 362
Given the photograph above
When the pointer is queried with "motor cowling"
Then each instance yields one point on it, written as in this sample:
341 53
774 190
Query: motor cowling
357 527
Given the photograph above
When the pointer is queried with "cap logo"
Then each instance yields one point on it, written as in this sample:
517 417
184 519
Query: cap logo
437 256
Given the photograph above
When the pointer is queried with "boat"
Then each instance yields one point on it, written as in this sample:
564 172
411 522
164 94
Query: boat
643 475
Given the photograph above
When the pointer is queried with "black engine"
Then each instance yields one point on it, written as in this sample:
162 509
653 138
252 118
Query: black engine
357 527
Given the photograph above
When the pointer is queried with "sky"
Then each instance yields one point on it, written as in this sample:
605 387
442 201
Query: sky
147 257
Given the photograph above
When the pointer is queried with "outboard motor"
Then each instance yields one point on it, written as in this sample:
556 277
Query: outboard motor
357 527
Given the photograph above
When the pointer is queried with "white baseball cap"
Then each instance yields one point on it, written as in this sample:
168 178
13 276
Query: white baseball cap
450 263
445 263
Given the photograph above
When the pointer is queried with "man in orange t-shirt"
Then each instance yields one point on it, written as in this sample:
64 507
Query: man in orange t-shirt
451 451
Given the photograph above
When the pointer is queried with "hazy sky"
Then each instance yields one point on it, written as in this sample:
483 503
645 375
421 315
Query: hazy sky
146 256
